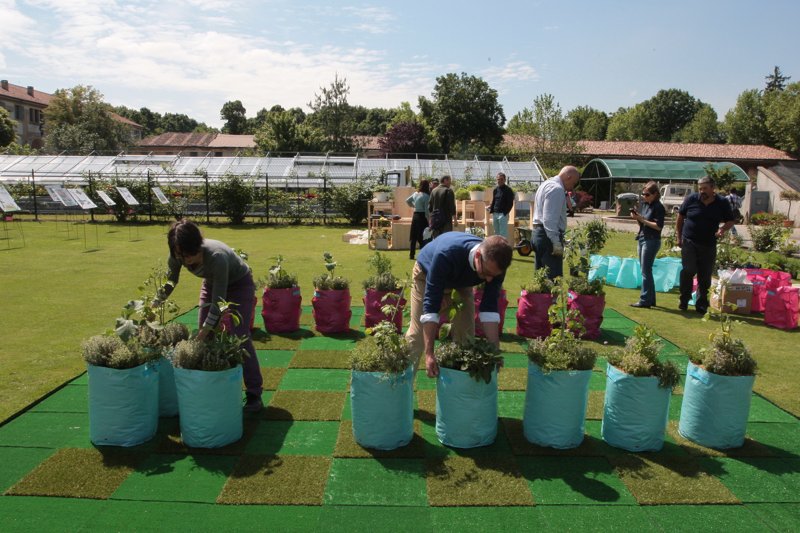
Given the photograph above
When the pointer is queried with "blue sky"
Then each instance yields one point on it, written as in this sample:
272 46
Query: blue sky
191 56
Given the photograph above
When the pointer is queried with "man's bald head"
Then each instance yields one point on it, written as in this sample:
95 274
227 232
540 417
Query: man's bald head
569 177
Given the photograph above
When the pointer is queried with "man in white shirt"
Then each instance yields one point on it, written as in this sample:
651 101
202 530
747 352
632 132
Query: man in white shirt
550 220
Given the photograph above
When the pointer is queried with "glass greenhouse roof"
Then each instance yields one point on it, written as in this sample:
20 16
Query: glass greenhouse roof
636 169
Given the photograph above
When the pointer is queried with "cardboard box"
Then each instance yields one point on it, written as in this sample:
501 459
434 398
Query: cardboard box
739 295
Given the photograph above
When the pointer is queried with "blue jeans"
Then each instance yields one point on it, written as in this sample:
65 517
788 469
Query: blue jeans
543 248
648 248
500 224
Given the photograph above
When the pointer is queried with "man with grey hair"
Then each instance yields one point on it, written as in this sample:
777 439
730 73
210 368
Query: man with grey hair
697 230
550 220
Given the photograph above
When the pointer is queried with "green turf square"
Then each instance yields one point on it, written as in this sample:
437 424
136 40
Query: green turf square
595 405
513 344
675 404
668 348
38 513
687 518
19 461
515 360
82 379
347 411
423 382
426 404
762 410
455 480
778 516
750 448
277 480
385 481
598 381
274 358
288 437
328 343
46 430
347 447
78 473
315 379
608 312
70 399
484 519
177 478
783 440
614 337
512 379
271 377
305 405
321 359
574 481
514 432
511 403
758 479
350 518
594 518
657 479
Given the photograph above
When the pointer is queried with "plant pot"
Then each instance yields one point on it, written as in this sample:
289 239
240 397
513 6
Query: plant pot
630 274
373 302
123 405
466 409
524 197
788 223
555 407
331 310
635 412
591 308
532 320
502 305
211 406
476 196
281 309
715 408
383 408
167 395
380 196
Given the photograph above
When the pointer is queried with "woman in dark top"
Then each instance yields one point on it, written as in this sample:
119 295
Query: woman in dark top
419 201
651 222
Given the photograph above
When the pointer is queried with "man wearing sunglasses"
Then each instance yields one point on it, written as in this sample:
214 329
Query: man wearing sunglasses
550 220
456 261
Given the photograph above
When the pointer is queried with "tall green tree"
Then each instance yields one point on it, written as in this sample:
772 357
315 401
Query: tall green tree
282 132
629 124
703 128
332 115
7 134
587 123
783 117
464 110
668 112
551 135
776 81
235 116
78 120
746 123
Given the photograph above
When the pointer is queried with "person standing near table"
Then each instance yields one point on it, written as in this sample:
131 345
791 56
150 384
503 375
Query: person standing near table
651 222
550 220
419 220
502 203
444 200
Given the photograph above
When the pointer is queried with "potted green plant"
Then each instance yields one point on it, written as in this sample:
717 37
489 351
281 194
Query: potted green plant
208 378
462 194
559 370
476 192
331 301
381 288
381 193
638 388
466 393
719 385
525 190
588 297
281 301
789 195
534 301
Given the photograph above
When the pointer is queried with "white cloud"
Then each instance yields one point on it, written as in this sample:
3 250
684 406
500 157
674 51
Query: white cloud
512 71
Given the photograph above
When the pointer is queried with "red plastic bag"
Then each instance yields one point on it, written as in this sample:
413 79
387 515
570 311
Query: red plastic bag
373 301
281 309
591 309
502 305
759 293
778 279
331 310
781 309
532 321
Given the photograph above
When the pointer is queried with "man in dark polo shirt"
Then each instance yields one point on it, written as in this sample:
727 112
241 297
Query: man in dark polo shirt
697 229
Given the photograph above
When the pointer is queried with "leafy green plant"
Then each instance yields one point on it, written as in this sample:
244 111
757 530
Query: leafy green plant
581 285
462 194
576 252
328 281
596 235
381 277
383 188
278 277
232 195
790 195
762 219
476 187
539 283
350 199
478 357
639 358
768 237
726 355
527 187
221 350
384 351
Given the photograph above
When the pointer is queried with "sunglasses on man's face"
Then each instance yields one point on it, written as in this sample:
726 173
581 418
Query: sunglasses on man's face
647 194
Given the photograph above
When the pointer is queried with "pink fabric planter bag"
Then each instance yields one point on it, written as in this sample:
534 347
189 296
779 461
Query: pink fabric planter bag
532 321
764 280
781 309
591 308
331 310
502 305
281 310
373 301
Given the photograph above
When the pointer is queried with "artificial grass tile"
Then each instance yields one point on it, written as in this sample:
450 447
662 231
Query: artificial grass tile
426 404
349 518
762 410
279 343
352 335
177 478
455 480
594 518
758 479
70 399
513 344
782 440
305 405
614 337
170 440
618 323
594 407
277 480
347 447
78 473
274 358
669 479
668 348
600 364
328 343
511 404
513 429
423 382
597 381
577 481
315 379
347 410
778 516
675 404
46 430
483 519
22 513
321 359
19 461
399 482
82 379
609 312
271 376
512 379
750 448
688 518
292 437
515 360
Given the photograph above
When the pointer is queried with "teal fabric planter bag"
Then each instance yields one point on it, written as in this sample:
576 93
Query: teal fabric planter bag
123 405
383 408
555 407
598 267
667 273
466 410
630 274
167 394
715 408
614 263
635 412
210 404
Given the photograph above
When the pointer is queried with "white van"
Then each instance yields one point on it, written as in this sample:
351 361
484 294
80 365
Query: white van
672 195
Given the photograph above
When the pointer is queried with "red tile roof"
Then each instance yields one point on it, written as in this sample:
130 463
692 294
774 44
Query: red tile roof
227 140
17 92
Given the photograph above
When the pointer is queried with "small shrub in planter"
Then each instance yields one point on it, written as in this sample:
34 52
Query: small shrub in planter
382 389
525 190
462 194
208 378
638 389
331 301
380 288
559 371
476 192
382 193
282 301
534 301
466 393
588 297
719 385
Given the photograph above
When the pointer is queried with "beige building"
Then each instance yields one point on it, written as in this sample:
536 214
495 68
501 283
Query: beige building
765 193
25 105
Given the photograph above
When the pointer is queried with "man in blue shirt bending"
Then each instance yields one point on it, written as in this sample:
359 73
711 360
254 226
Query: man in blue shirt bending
550 220
457 261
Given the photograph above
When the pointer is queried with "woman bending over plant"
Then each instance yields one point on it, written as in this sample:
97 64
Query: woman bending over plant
226 278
